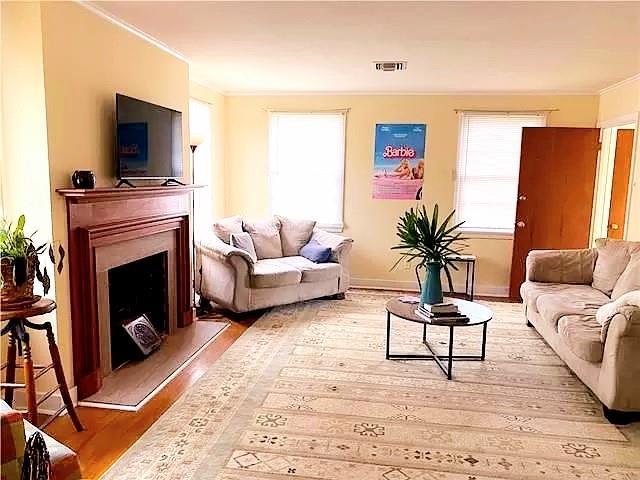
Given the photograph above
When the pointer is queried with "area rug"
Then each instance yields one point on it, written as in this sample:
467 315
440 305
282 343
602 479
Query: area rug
306 393
136 382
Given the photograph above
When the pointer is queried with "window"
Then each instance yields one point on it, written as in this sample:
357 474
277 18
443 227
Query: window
200 132
488 168
306 166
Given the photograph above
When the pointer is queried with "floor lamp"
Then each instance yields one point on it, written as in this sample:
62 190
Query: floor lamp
193 145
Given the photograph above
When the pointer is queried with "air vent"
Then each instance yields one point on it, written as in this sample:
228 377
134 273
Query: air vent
390 66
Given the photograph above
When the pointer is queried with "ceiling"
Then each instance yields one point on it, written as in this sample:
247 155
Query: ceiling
480 47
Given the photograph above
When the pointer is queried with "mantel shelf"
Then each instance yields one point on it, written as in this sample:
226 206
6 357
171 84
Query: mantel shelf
113 193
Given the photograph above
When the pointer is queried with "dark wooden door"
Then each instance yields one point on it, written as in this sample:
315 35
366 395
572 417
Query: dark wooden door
620 183
555 193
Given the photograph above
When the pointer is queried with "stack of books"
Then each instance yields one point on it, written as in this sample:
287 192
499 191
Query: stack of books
441 313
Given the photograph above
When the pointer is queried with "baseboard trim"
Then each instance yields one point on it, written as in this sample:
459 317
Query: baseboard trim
410 286
49 406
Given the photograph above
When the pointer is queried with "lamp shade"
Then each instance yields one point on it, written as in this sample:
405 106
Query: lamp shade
196 139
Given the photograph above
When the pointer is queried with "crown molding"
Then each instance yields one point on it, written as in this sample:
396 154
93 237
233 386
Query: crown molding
620 83
267 93
130 28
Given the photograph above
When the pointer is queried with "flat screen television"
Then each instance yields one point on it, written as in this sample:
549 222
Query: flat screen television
148 140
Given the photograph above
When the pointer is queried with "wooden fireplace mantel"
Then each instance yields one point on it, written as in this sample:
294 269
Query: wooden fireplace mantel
104 217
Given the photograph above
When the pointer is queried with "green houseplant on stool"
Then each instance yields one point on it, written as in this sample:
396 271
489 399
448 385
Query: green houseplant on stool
431 244
20 265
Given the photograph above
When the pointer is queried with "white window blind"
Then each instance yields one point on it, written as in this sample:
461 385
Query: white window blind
488 168
306 166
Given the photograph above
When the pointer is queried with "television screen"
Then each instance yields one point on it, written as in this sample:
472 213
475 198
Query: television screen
149 140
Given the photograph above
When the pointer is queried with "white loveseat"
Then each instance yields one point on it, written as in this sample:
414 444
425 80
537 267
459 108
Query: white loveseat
231 278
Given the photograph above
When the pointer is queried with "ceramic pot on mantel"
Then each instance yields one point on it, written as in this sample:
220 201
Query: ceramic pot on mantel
17 282
432 284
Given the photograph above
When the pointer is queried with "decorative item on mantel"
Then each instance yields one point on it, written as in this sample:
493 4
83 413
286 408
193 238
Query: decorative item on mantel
83 179
20 265
431 244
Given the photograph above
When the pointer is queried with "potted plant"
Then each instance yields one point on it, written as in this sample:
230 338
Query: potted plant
20 265
431 244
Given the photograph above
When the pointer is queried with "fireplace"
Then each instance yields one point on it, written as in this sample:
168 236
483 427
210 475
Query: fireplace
136 288
119 238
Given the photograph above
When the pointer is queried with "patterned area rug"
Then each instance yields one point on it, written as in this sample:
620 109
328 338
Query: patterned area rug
306 393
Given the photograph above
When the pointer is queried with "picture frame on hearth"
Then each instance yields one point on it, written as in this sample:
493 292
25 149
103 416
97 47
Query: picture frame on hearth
143 334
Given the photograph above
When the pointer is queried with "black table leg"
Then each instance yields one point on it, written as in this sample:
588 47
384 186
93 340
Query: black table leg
388 333
450 369
484 341
473 278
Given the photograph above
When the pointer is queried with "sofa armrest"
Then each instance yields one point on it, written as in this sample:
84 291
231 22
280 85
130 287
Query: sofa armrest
340 246
561 266
222 273
620 370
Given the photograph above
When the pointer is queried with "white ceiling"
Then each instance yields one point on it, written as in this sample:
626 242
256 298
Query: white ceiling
241 47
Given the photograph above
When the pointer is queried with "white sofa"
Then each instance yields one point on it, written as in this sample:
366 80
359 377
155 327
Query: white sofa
234 280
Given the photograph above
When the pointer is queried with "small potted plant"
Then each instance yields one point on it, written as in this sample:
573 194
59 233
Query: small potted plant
431 244
20 265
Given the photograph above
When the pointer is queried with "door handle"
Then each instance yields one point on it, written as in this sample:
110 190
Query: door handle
614 226
522 197
520 224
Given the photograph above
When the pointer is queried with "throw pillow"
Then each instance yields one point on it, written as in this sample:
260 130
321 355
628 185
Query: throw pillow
224 227
613 257
315 252
243 242
630 278
266 238
294 234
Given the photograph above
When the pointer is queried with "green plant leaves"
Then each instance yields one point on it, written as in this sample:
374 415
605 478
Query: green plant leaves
424 239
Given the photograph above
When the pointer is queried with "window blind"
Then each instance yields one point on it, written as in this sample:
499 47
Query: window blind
306 166
488 168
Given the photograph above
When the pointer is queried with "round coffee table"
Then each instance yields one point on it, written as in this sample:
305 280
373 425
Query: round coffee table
478 315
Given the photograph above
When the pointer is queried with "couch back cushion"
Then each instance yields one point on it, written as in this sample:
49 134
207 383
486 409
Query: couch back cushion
243 241
294 234
224 227
629 279
613 258
266 237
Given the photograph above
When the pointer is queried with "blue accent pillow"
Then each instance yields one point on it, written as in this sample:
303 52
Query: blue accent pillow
315 252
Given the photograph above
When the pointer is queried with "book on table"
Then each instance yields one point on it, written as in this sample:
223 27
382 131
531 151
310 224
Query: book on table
441 317
437 308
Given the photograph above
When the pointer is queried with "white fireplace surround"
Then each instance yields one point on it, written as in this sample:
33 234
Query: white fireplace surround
122 253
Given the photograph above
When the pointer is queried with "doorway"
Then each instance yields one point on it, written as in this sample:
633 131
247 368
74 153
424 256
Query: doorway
613 182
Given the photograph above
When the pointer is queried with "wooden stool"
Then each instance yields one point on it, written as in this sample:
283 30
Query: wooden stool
16 327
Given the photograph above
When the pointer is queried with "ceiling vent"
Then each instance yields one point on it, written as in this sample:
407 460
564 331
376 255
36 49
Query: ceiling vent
390 66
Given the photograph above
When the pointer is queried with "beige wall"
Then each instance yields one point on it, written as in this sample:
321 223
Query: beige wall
23 150
86 61
372 222
216 103
618 105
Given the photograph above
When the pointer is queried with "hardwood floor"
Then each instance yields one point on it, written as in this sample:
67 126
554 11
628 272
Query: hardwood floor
110 433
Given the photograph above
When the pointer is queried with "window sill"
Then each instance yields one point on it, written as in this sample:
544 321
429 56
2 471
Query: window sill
477 233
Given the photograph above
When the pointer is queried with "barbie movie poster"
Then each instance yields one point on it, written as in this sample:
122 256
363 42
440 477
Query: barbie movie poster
398 164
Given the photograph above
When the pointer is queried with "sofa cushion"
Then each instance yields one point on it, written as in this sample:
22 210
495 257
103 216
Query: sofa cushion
531 291
313 272
272 272
243 242
294 234
575 300
629 279
613 258
266 237
224 227
561 266
581 334
315 252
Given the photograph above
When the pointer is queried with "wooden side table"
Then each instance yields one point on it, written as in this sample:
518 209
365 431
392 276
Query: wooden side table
19 343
